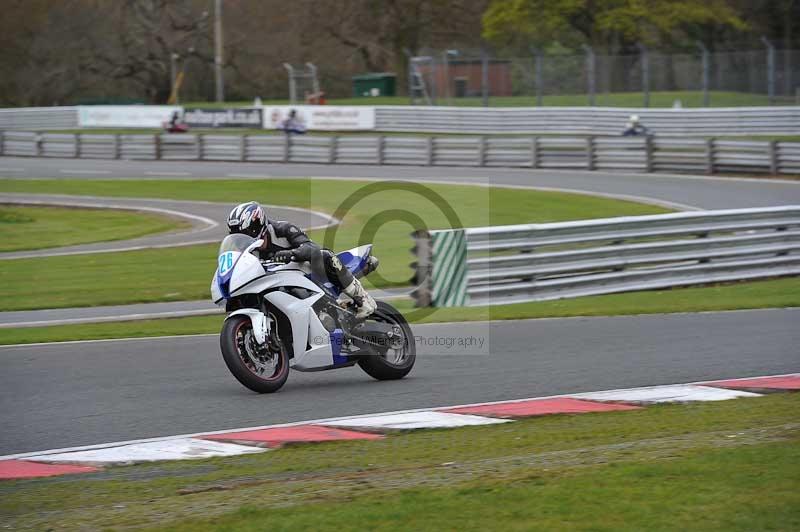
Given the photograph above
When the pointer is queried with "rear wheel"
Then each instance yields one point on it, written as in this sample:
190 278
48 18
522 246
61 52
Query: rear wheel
263 369
397 359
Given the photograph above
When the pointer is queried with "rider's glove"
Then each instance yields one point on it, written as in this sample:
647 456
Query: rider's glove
284 256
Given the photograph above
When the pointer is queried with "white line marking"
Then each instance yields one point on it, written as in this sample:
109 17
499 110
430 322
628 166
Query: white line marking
327 420
250 176
168 173
119 317
68 342
85 171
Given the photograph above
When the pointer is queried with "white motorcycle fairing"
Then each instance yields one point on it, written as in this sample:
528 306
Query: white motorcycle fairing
240 273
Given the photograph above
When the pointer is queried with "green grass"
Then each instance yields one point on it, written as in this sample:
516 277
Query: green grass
614 99
46 227
751 295
185 273
728 465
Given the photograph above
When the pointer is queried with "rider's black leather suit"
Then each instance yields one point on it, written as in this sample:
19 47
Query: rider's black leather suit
280 236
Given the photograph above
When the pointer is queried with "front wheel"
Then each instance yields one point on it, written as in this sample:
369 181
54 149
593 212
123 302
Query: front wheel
263 369
397 359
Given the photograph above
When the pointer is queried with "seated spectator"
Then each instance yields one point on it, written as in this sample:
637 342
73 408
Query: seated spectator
293 125
634 128
175 124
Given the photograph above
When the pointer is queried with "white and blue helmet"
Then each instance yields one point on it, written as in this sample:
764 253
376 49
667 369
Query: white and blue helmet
247 218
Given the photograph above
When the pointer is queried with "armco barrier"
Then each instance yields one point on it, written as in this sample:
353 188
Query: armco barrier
516 263
693 122
639 154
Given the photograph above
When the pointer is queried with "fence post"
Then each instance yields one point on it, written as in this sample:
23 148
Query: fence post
200 144
590 149
117 146
484 76
431 146
709 156
773 157
482 151
381 149
2 142
590 68
535 152
38 141
770 70
157 145
287 148
334 142
706 71
645 57
77 152
243 148
648 154
537 54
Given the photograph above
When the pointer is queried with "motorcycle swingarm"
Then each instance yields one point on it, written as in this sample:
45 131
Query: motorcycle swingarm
372 334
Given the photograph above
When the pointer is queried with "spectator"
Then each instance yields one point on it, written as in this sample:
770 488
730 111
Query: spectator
293 125
634 128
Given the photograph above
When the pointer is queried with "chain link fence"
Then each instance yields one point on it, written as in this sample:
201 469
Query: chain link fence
699 78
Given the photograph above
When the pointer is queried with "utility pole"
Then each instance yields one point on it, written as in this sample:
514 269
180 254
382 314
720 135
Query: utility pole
218 51
590 72
645 58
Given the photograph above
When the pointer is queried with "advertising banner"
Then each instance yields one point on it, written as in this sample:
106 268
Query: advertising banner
222 117
322 117
145 116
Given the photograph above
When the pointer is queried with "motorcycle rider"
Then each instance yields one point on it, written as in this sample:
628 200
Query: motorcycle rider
285 242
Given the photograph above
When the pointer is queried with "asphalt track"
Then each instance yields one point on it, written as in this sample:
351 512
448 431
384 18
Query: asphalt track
62 395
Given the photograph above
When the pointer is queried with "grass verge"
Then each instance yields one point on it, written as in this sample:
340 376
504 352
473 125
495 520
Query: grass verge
751 295
727 465
185 273
42 227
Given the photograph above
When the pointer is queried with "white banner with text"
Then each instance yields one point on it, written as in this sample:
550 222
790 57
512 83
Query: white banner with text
320 117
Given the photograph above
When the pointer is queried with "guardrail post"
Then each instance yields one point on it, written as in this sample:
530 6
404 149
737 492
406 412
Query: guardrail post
200 142
422 268
243 148
535 152
2 142
482 151
332 147
709 156
590 148
157 141
77 152
431 146
38 141
117 146
287 148
648 154
772 148
381 149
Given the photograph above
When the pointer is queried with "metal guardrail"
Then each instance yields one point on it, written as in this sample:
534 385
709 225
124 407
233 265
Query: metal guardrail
697 122
536 262
637 154
702 122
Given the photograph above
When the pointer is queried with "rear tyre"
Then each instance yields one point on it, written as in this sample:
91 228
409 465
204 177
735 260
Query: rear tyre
261 369
396 360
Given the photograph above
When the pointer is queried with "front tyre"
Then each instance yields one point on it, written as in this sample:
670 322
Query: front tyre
397 359
262 369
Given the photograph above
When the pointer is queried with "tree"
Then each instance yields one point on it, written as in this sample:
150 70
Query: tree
598 22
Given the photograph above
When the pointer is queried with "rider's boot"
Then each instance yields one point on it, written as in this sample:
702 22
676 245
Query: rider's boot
364 302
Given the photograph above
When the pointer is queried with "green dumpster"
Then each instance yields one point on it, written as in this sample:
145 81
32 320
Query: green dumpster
376 84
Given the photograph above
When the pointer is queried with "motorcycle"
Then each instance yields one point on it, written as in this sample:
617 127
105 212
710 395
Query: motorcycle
282 315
